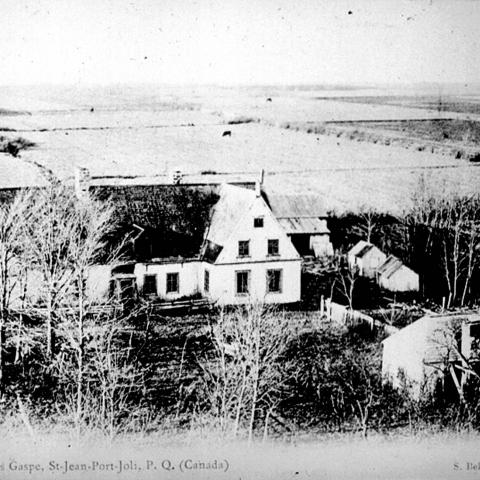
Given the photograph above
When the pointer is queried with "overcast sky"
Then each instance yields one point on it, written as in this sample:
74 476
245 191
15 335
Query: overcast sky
236 41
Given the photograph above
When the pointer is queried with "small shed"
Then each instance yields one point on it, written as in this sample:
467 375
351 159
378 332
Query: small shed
426 354
393 275
366 257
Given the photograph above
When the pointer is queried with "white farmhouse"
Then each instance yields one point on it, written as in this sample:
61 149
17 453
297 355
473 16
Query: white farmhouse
246 256
248 252
367 258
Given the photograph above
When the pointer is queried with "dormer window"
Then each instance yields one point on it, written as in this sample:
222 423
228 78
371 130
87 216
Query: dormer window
244 248
258 222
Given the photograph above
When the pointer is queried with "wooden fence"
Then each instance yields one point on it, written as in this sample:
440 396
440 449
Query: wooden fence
343 315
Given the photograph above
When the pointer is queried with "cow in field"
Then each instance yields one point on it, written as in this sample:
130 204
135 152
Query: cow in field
227 133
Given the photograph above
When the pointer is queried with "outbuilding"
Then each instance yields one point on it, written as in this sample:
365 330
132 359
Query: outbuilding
395 276
427 354
366 257
304 220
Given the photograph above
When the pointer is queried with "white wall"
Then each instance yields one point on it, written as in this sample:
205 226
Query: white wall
33 291
188 277
404 355
223 283
97 285
321 245
414 347
370 262
98 282
403 280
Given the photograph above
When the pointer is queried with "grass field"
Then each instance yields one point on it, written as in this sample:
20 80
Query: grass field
345 172
464 104
464 131
148 130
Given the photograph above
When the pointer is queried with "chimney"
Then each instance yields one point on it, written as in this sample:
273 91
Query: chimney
82 181
262 176
259 183
176 177
258 189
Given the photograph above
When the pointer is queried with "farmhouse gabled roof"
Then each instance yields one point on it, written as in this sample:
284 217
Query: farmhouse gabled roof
227 212
297 206
361 249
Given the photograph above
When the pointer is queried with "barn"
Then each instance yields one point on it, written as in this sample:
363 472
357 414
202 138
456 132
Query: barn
304 220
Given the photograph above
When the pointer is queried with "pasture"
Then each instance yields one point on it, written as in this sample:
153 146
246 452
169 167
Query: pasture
148 131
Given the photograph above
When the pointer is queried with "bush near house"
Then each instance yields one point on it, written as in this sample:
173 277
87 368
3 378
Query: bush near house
323 379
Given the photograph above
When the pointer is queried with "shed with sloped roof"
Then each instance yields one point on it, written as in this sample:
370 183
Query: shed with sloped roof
366 257
395 276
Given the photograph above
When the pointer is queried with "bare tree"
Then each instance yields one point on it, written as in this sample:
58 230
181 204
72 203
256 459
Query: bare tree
451 226
89 224
67 238
245 377
48 234
64 237
369 222
12 218
347 278
95 374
